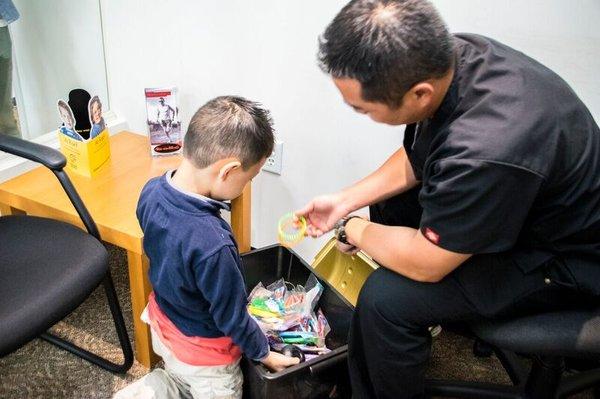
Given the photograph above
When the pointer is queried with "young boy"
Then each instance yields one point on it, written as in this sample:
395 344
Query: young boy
197 311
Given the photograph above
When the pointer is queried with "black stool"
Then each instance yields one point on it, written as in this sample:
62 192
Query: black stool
548 339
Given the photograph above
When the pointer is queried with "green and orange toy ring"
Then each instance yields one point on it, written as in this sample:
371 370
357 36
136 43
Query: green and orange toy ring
289 231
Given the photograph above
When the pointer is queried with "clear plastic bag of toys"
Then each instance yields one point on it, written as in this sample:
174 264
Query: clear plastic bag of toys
286 313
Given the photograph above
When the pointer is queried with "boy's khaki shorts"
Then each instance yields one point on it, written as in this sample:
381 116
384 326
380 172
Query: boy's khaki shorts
181 380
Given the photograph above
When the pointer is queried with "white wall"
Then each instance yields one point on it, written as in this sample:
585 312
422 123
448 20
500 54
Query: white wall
562 35
58 47
265 50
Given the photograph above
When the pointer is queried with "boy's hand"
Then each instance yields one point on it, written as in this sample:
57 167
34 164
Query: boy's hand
277 362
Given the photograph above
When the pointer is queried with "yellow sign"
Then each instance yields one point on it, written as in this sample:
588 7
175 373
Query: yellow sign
86 157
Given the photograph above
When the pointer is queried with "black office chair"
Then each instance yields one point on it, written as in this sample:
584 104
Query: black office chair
547 339
48 268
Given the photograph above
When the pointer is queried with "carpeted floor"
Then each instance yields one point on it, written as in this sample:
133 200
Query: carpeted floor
41 370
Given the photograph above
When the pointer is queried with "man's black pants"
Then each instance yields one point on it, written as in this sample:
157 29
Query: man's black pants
389 342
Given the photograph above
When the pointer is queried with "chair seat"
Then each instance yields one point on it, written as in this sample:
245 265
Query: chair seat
565 333
42 277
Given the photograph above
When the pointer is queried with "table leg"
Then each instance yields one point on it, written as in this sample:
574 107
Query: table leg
140 289
6 210
240 219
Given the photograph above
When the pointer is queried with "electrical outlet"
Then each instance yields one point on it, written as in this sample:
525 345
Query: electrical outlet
273 163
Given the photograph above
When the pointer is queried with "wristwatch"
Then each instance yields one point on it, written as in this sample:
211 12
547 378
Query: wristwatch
340 229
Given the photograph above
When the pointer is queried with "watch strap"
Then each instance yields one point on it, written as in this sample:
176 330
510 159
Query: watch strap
340 232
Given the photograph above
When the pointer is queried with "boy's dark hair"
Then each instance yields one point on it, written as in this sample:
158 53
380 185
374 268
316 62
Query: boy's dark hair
229 126
387 45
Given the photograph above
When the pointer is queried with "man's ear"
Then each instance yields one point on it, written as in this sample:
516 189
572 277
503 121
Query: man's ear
227 167
422 91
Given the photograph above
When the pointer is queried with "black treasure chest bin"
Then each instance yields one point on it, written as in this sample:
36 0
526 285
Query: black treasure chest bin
325 376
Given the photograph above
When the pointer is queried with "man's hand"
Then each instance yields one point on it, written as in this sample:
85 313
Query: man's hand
322 212
277 362
346 248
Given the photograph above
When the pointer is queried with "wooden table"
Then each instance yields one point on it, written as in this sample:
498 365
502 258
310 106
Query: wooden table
111 197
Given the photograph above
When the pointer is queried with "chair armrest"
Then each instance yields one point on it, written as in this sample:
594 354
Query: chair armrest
49 157
77 202
56 161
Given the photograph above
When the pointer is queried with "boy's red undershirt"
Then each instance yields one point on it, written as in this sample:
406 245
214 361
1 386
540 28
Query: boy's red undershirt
195 351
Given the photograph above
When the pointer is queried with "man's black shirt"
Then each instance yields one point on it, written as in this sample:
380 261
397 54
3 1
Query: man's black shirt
510 161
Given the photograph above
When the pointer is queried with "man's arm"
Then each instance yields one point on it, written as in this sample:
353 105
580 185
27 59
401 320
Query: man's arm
395 176
403 250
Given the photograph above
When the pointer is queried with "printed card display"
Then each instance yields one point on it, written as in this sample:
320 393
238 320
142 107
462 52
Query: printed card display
164 127
87 149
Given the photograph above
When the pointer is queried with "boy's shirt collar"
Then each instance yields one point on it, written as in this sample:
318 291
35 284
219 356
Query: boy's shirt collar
214 202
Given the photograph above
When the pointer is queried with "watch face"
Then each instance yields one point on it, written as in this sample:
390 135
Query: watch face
338 228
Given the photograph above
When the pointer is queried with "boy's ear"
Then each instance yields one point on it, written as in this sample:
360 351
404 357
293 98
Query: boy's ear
227 167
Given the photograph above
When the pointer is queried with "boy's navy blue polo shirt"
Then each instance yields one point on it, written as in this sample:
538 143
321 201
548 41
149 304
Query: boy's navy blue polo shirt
509 162
195 268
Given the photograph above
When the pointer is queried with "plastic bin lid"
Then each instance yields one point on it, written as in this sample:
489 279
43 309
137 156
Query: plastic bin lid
345 273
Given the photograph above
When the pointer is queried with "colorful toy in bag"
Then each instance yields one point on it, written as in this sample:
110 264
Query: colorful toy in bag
287 317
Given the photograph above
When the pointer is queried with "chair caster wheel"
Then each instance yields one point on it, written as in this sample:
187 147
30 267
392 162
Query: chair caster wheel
481 349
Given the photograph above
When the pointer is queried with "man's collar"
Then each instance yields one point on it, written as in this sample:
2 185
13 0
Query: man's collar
450 100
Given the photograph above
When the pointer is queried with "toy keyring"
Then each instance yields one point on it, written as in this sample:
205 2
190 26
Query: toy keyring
291 232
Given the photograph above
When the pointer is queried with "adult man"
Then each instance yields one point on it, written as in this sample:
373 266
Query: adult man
491 207
165 115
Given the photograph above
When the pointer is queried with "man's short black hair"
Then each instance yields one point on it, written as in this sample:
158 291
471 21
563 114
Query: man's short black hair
387 45
229 126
